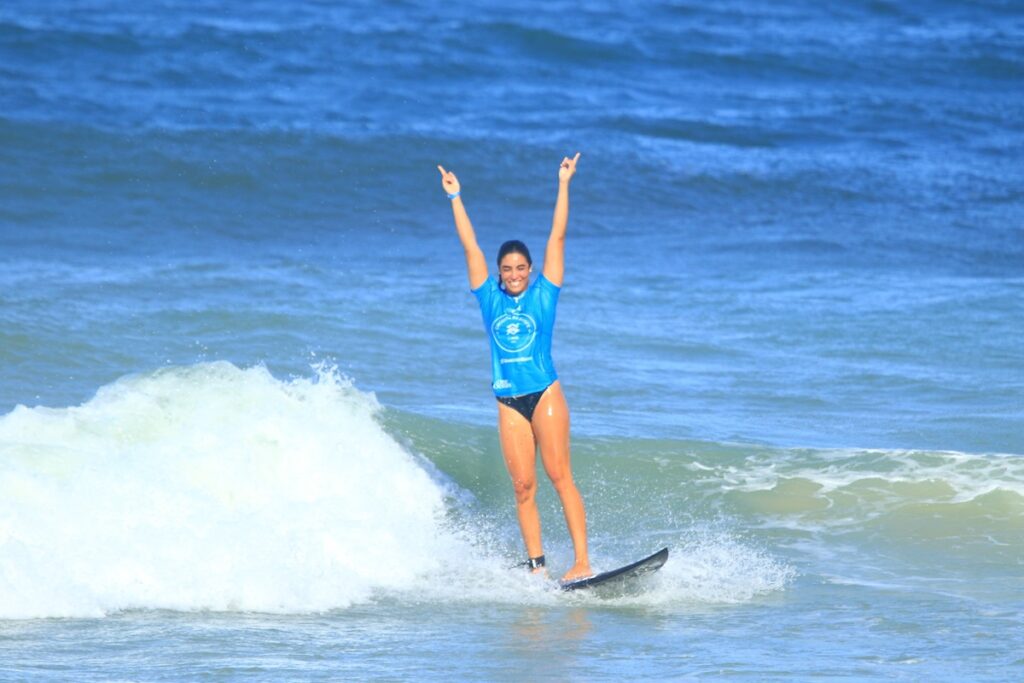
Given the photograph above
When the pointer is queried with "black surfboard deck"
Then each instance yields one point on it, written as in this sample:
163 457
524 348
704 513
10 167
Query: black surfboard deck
638 568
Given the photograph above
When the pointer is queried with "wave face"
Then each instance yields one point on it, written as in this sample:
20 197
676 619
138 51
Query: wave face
742 518
217 488
210 487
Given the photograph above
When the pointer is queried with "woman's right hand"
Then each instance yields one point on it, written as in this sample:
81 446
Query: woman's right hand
448 180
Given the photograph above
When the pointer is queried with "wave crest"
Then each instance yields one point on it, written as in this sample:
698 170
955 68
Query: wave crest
210 487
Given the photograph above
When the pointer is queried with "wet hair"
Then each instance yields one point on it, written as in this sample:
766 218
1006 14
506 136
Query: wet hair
514 247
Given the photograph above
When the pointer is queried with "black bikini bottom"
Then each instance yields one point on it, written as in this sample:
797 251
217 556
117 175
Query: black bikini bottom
524 405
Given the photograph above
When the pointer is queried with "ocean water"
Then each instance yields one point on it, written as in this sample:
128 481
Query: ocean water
246 430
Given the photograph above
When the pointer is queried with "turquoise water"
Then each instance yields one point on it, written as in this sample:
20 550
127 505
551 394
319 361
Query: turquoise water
245 422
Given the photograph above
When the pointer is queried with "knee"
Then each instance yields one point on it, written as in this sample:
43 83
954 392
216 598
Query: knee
525 490
562 482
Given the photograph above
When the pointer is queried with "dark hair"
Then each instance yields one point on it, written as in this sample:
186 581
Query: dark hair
514 247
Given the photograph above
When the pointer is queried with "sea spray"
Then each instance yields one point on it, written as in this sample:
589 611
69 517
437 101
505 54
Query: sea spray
210 487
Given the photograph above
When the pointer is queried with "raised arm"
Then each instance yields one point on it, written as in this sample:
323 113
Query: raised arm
476 263
554 256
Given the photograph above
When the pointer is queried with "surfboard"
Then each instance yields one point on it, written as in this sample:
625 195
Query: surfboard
640 567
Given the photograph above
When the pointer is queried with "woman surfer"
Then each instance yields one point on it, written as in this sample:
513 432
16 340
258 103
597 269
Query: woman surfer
532 411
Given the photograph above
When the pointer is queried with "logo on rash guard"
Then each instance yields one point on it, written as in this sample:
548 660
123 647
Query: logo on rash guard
514 331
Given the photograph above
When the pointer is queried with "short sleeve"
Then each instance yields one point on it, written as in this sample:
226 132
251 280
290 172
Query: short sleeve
548 286
485 292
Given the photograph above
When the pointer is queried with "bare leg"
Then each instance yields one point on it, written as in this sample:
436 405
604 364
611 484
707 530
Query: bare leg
551 428
520 451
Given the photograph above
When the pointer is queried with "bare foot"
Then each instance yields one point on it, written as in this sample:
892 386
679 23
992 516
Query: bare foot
578 571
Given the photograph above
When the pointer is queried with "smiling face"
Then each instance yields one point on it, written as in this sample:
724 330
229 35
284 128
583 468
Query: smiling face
515 273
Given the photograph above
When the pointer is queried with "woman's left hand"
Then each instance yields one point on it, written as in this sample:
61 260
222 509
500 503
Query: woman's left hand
568 168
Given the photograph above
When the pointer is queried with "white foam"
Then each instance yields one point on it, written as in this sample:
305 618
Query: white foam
211 487
958 477
720 569
709 568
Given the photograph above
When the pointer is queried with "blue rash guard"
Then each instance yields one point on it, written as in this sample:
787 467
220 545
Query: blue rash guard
520 329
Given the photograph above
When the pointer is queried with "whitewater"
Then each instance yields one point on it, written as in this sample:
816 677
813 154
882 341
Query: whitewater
218 488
